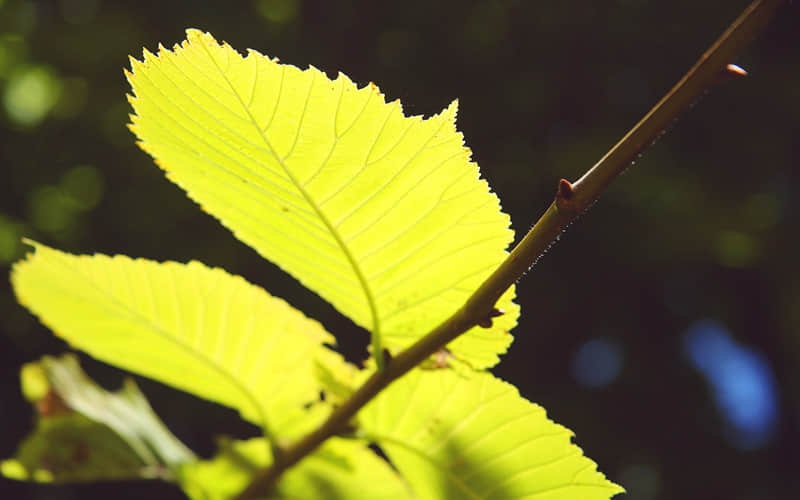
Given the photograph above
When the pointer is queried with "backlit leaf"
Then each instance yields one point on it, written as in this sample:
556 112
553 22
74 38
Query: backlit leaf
381 214
189 326
340 470
458 437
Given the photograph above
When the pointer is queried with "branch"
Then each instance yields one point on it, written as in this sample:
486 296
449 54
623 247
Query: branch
570 201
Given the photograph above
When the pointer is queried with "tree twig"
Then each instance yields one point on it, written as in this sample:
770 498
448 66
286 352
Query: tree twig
570 201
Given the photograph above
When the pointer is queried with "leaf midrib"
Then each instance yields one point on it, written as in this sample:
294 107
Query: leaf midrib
376 340
156 328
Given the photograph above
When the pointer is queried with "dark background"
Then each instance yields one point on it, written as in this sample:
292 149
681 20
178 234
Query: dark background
703 228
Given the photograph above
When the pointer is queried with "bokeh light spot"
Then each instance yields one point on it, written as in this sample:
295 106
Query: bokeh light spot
735 249
84 186
762 211
597 363
10 234
30 94
278 11
55 208
641 481
743 385
50 210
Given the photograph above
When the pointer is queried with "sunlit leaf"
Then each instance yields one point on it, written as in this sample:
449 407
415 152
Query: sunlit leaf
340 470
85 433
338 377
30 93
458 437
192 327
382 215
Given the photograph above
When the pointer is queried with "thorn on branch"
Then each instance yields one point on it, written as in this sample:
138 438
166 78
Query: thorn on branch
387 357
730 72
735 70
566 202
486 322
564 190
495 312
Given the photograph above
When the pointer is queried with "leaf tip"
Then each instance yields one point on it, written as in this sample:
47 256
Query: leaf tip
135 64
143 146
131 99
194 34
37 248
256 54
31 243
449 114
163 50
373 87
343 77
453 108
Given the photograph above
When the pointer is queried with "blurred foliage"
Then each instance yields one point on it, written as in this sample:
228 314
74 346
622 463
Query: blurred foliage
85 433
702 227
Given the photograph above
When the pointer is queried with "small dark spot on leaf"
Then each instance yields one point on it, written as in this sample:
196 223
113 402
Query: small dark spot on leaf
80 454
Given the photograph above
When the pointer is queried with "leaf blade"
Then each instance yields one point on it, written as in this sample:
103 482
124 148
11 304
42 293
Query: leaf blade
192 327
474 437
340 469
382 215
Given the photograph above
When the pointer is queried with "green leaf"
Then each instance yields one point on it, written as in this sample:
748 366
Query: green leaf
199 329
338 377
382 215
457 437
85 433
73 448
340 470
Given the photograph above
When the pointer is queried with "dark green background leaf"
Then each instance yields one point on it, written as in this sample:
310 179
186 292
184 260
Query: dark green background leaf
85 433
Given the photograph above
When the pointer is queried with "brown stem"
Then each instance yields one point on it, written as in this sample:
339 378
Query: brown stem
570 201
